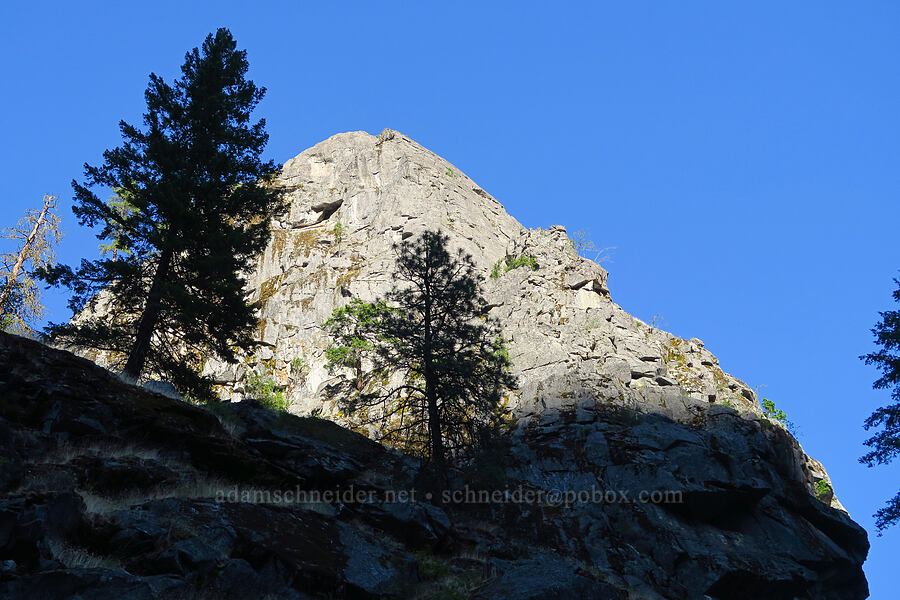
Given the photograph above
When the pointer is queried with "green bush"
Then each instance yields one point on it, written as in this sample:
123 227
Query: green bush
508 264
771 412
263 388
823 490
299 367
523 260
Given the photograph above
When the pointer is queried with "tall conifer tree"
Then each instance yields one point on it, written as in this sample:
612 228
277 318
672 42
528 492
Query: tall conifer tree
885 443
439 369
202 200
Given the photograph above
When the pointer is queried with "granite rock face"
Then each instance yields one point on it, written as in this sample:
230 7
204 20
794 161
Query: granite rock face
659 509
113 491
354 195
604 402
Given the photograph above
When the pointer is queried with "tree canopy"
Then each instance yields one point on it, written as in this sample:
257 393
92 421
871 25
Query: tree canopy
429 367
35 235
200 203
885 443
119 203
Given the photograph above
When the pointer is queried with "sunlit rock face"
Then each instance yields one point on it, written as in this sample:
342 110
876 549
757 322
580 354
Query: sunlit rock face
605 403
355 195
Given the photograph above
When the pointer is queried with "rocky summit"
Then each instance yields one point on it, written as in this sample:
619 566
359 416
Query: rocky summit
637 467
354 195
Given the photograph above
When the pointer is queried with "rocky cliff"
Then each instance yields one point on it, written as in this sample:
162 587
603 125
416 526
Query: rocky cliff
642 469
111 491
354 195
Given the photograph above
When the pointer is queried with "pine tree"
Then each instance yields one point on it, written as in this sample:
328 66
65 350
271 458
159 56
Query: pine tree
203 200
119 203
886 443
36 234
432 338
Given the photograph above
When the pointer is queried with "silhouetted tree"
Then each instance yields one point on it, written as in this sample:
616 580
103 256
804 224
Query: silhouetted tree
886 443
35 236
202 201
119 203
437 366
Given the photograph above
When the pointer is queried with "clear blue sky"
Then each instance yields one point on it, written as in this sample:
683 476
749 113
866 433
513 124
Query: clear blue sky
742 161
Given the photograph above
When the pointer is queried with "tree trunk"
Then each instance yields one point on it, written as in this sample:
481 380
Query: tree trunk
14 274
434 428
431 399
438 460
149 319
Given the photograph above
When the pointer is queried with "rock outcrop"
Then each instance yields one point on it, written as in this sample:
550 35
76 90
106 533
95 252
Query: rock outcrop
642 469
354 195
113 491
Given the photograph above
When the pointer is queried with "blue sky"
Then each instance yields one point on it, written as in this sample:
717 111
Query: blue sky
742 161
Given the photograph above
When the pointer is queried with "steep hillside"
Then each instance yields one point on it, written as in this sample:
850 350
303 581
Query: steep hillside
111 491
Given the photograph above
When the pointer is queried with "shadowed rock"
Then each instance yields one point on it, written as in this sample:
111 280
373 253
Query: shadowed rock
124 493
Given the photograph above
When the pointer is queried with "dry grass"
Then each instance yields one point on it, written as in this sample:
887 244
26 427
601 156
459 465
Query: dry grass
69 452
199 489
73 557
229 421
234 429
45 482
